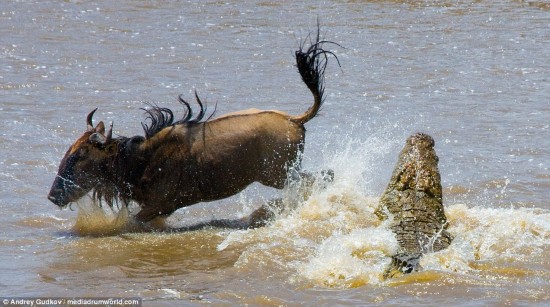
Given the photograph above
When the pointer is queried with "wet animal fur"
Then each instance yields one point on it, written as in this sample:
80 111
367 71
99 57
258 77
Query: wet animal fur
180 163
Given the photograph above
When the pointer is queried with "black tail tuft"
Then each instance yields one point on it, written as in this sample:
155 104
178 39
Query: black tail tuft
312 63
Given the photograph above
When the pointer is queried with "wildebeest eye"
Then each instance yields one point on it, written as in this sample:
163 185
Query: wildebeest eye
82 151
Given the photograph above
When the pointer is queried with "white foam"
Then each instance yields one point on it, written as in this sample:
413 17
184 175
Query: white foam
333 239
359 257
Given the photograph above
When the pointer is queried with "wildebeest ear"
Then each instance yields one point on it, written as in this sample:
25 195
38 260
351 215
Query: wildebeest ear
97 138
100 128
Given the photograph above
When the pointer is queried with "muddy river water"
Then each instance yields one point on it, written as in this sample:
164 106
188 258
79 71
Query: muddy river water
473 74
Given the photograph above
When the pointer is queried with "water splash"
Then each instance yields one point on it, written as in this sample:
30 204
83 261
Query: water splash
333 238
96 220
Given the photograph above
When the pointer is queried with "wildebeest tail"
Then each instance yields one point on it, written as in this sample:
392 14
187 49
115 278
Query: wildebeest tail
312 62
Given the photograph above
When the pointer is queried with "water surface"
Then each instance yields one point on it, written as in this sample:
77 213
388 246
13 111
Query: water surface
473 74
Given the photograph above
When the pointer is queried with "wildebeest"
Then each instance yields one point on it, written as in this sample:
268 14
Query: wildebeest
180 163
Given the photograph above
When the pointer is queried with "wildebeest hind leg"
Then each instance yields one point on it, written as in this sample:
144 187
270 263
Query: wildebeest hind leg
304 182
308 179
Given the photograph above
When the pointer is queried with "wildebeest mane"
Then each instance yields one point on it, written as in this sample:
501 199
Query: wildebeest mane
161 118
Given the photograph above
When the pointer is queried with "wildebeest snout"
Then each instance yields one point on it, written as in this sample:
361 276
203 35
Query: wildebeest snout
57 193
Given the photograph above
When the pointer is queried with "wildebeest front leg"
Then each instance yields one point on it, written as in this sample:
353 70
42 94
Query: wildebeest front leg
258 218
148 214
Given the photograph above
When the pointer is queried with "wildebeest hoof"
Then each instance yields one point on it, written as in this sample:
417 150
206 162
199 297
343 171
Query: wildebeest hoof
327 175
260 217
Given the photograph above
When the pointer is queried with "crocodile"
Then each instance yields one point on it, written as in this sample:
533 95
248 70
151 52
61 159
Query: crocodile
413 201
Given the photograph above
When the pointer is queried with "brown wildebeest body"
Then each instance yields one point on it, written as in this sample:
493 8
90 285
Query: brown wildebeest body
221 158
181 163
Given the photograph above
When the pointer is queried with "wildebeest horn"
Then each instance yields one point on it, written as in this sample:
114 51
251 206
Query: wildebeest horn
109 135
89 120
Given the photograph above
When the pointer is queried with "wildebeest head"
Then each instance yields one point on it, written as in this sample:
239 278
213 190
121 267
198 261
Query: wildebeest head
82 166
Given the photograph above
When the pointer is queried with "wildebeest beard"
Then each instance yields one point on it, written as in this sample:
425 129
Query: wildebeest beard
119 178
